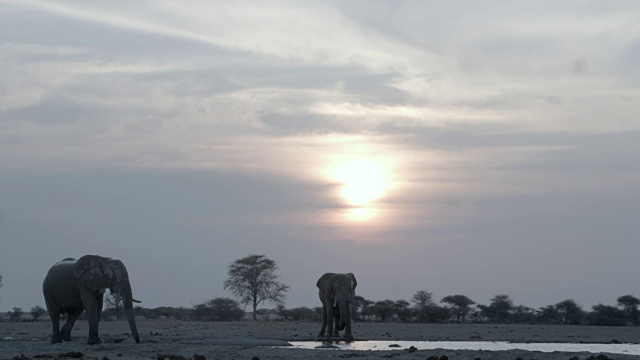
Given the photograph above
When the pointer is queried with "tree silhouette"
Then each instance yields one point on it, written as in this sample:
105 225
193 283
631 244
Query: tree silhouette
499 310
570 312
629 303
218 309
459 305
422 299
403 310
383 309
16 314
607 315
253 279
113 303
37 311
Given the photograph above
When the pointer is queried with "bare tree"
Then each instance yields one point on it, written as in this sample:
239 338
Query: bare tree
37 311
15 314
113 303
253 279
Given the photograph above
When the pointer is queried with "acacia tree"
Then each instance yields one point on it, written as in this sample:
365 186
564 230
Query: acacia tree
459 305
363 308
16 314
569 312
383 310
499 310
37 311
403 310
422 299
113 303
253 279
629 304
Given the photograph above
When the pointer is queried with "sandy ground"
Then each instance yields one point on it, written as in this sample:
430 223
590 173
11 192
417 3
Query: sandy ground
248 340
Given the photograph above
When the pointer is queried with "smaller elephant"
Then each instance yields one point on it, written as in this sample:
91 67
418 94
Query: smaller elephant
74 286
337 292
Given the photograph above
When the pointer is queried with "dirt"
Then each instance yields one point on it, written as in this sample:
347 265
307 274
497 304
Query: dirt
177 340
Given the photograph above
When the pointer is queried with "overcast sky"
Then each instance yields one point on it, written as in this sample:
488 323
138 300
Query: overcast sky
459 147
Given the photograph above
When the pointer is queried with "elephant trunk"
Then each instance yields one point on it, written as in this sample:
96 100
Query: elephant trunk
344 308
128 307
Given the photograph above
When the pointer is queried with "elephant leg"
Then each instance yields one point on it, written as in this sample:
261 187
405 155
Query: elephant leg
324 321
54 314
347 331
65 333
330 318
89 300
336 319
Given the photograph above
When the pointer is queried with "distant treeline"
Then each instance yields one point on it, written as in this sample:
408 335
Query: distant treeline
421 309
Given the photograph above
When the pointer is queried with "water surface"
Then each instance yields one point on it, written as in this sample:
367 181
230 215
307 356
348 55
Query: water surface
627 349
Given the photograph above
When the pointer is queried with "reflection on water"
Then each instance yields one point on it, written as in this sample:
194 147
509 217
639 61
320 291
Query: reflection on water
627 349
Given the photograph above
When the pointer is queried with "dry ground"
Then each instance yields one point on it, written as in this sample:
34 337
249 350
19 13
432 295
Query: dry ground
247 339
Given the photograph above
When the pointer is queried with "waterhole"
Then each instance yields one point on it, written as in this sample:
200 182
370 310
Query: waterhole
627 349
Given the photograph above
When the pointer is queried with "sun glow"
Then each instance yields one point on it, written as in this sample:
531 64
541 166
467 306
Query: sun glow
363 181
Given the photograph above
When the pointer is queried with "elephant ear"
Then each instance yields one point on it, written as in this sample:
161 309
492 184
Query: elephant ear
324 280
94 272
353 280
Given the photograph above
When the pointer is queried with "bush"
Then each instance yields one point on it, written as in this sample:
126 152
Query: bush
218 309
606 315
300 313
433 314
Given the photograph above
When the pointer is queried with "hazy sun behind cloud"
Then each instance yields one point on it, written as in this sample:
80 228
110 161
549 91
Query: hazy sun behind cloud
363 181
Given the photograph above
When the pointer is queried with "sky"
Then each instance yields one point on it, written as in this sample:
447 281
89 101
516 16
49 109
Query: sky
458 147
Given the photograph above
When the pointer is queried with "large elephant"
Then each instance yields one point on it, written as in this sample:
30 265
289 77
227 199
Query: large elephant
337 292
73 286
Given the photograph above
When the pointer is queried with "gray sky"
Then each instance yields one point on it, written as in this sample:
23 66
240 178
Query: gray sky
460 147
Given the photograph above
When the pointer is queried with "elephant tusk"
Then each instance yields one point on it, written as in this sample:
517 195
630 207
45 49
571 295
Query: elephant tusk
136 301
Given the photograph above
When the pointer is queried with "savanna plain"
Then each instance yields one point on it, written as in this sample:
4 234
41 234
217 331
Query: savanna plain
174 339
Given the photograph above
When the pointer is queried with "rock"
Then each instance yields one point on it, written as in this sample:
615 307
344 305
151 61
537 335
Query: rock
444 357
413 348
21 357
199 357
394 345
255 358
615 341
72 354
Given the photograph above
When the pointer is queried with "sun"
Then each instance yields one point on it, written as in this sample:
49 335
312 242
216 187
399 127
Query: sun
363 181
